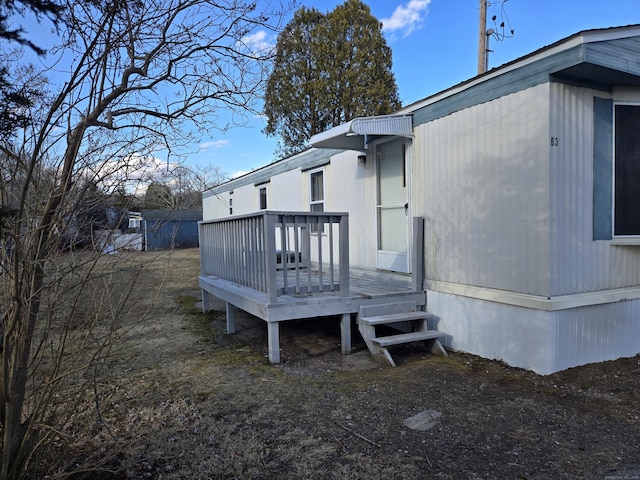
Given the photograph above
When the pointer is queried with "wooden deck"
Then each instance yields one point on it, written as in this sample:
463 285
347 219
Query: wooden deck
242 264
366 288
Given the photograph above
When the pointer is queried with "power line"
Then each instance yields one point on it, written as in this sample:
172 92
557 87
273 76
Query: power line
502 29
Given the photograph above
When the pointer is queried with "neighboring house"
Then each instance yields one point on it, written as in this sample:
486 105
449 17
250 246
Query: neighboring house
525 182
163 229
86 226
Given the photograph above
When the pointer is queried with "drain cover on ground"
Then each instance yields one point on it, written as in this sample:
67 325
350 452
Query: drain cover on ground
422 421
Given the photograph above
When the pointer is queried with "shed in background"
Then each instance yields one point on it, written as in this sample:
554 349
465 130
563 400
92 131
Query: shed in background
164 229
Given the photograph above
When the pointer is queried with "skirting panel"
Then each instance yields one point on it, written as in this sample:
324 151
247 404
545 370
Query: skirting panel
538 340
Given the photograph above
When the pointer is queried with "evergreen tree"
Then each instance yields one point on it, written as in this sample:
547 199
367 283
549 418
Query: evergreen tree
15 98
328 70
10 9
158 197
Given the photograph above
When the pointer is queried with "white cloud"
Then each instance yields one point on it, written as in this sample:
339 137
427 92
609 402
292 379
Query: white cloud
213 144
258 42
406 18
239 173
134 173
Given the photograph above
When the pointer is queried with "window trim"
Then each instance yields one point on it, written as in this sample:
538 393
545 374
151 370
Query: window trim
261 197
602 168
312 202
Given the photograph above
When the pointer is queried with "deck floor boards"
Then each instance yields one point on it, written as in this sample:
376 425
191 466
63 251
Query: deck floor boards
365 287
365 283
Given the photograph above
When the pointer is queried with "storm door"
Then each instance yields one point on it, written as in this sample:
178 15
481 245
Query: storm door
392 206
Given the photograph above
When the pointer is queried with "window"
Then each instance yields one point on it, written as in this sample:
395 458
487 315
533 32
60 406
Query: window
135 220
263 198
316 198
626 197
231 206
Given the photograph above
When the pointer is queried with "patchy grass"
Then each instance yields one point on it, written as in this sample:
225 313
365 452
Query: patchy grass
187 302
181 399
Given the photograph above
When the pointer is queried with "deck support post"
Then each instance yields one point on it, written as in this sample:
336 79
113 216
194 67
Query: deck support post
345 333
273 340
343 256
205 301
231 319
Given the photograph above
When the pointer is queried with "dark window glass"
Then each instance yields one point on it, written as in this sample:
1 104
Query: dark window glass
263 198
627 170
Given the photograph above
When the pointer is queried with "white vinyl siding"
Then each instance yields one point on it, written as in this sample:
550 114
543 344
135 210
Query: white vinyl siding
582 262
481 182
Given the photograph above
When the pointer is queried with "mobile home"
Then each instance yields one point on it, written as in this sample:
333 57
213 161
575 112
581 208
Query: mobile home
509 201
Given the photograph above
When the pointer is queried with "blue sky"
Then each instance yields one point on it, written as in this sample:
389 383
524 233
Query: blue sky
435 46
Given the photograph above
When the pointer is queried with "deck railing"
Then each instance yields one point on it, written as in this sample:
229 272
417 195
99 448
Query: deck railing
279 253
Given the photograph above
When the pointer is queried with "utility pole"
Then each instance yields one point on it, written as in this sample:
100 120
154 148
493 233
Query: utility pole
484 33
482 38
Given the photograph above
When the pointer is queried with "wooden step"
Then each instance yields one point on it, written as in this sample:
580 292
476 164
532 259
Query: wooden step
394 318
407 338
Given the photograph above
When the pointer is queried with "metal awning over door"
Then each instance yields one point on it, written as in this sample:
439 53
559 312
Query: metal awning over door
357 133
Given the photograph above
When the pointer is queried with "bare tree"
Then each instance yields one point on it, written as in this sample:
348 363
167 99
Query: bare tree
135 78
185 185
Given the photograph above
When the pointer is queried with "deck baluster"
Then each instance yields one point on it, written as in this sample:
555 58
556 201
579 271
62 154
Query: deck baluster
331 281
284 253
296 249
320 266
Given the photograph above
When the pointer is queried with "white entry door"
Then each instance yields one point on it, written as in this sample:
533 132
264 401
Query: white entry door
392 207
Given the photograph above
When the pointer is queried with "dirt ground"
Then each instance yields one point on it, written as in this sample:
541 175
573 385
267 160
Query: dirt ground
180 399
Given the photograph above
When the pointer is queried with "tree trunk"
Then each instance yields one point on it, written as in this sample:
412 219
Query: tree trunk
17 434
